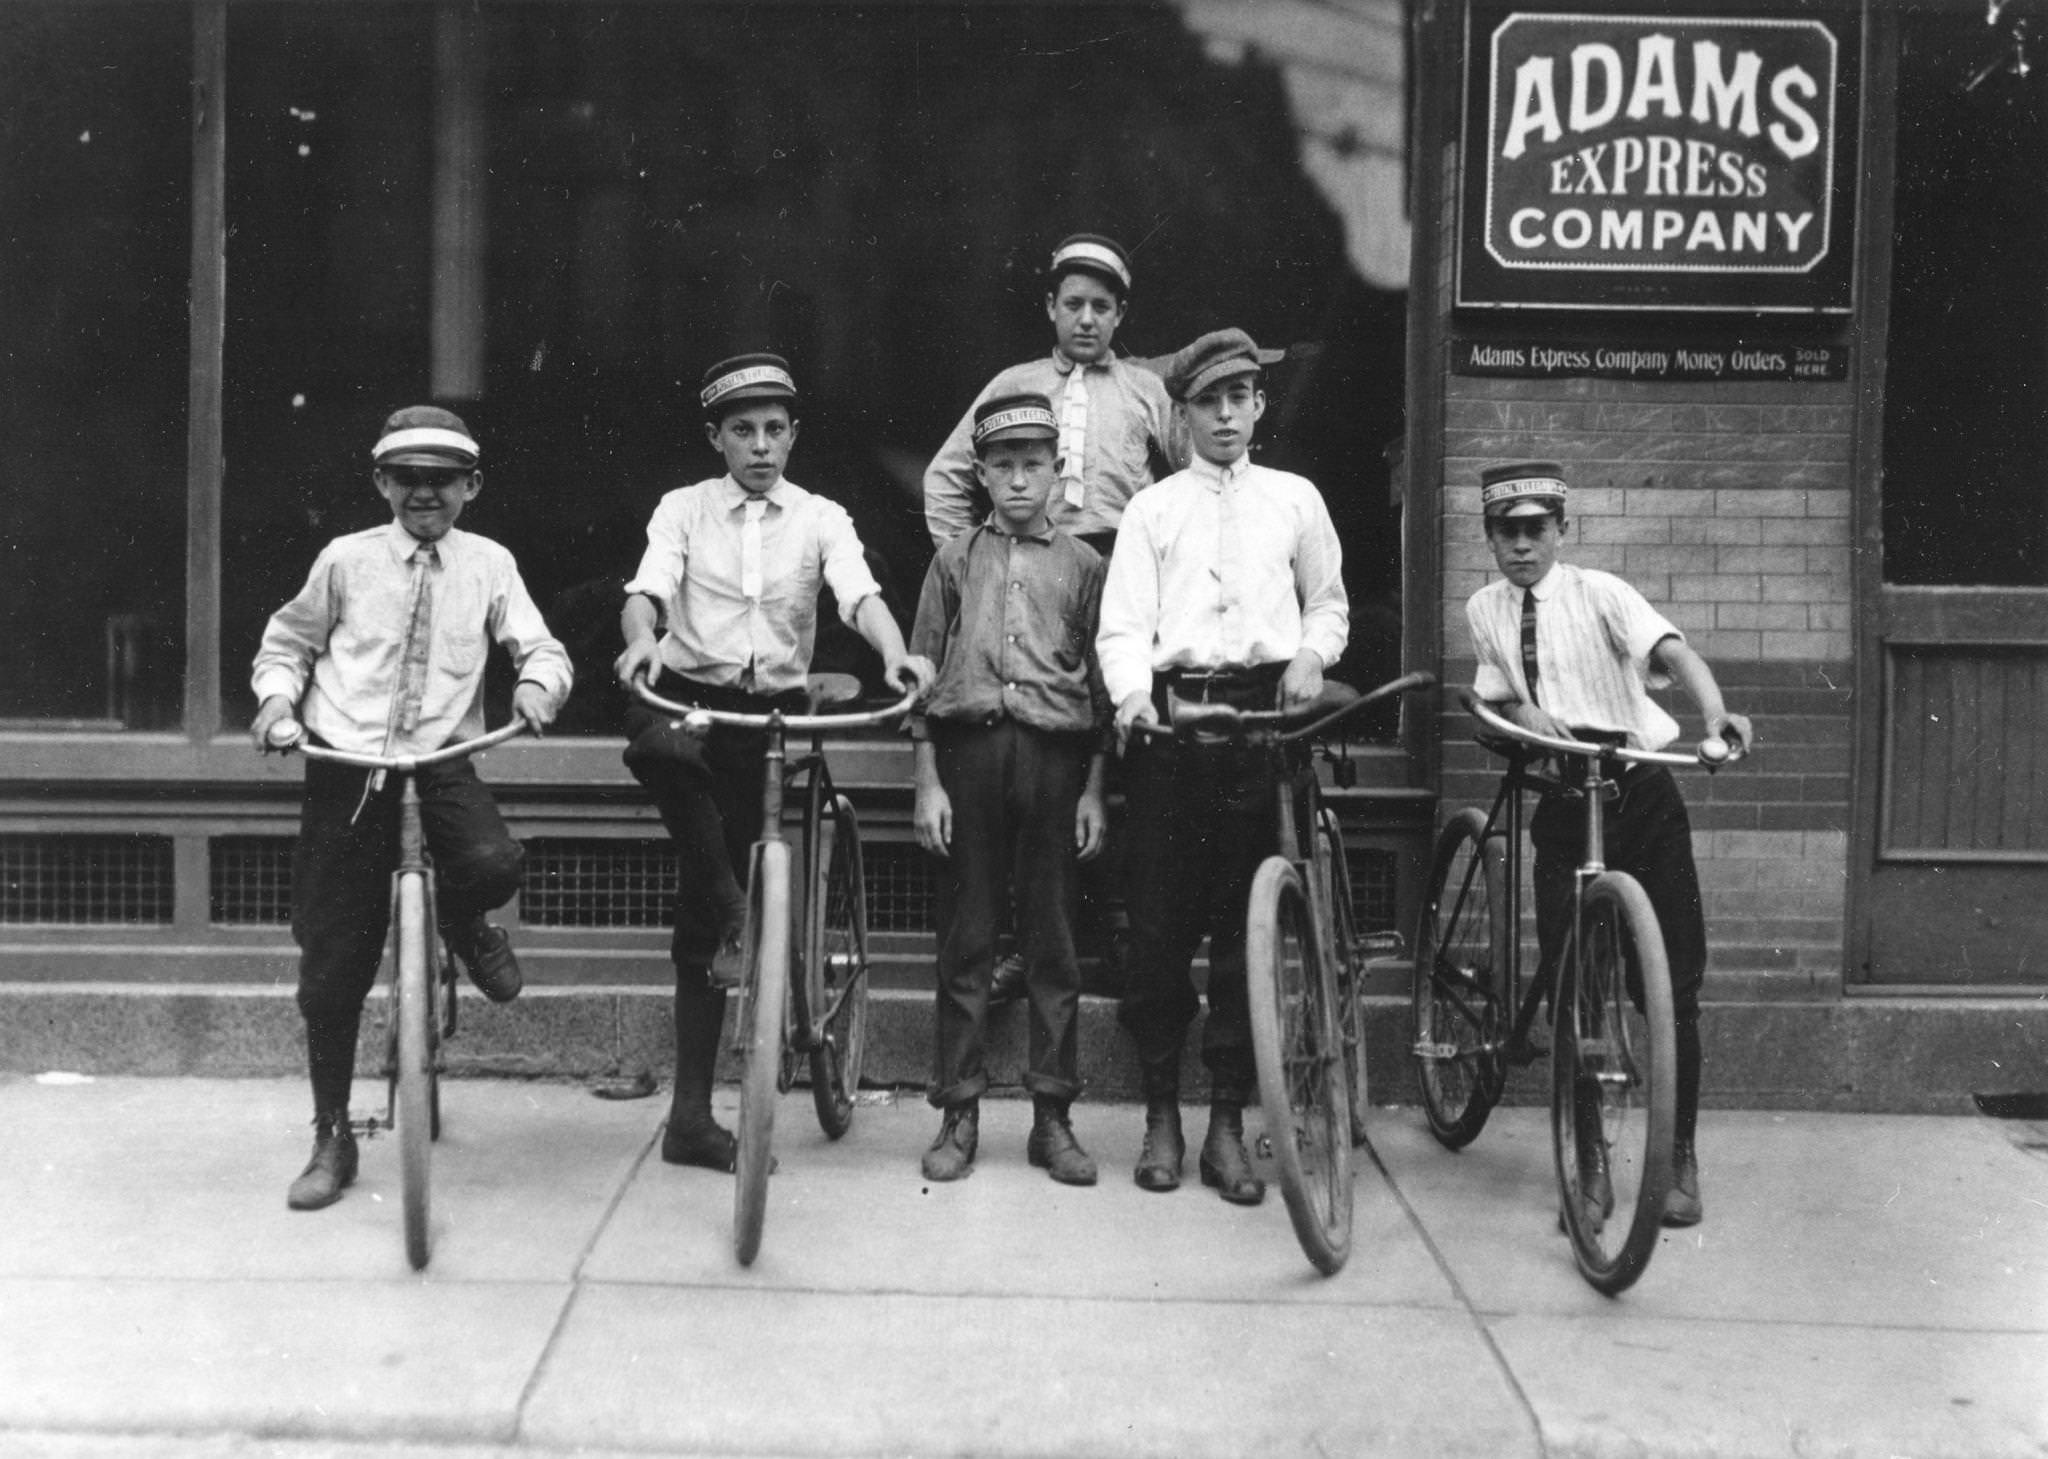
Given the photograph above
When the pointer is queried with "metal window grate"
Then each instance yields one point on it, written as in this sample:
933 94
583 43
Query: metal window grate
249 881
1373 904
598 882
903 894
100 880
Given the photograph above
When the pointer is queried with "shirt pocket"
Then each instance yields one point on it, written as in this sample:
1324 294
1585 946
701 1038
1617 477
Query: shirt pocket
460 653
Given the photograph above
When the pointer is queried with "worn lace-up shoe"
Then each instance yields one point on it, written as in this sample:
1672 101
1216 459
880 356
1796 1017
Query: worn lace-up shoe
1008 984
1053 1148
1682 1205
1160 1156
331 1170
1225 1163
951 1156
485 953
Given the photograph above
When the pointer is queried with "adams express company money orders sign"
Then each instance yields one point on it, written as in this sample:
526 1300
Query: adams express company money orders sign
1695 162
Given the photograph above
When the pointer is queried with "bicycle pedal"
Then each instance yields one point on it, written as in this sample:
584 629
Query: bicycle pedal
1425 1049
367 1127
1263 1147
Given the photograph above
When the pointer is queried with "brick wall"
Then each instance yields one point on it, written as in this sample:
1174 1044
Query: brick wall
1727 506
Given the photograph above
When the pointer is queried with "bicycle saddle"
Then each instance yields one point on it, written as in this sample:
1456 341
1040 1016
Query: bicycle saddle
828 691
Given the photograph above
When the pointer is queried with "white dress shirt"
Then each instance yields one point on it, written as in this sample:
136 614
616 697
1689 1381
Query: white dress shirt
335 650
725 625
1221 568
1594 634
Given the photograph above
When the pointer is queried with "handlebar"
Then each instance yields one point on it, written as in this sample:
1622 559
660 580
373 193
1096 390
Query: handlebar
697 718
1710 754
288 735
1193 717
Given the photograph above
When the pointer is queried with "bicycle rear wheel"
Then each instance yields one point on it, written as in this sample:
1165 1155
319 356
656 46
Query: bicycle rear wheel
415 1065
1459 991
764 1003
1614 1083
1350 965
837 940
1300 1055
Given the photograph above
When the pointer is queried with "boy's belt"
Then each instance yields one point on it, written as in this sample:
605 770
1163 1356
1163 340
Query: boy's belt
1254 688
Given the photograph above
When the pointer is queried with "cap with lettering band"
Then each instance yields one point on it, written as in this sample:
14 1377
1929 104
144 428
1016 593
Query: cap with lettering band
1014 418
1092 253
425 435
747 377
1521 490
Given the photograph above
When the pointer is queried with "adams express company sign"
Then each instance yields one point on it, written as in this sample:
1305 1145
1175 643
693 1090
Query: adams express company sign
1658 162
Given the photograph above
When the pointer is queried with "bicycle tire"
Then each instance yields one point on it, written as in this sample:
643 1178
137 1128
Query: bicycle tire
1622 1042
1296 1043
415 1062
764 1010
1459 995
1350 972
837 966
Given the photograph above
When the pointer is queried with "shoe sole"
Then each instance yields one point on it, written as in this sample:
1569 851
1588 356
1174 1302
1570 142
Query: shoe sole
1213 1177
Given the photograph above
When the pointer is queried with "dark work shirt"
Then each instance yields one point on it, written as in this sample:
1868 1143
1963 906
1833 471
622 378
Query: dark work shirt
1010 622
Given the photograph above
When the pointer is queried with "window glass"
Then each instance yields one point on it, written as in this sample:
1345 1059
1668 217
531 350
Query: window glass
1966 390
95 224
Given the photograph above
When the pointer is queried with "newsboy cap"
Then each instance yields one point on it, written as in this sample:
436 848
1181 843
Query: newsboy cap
1217 355
1521 490
424 435
747 377
1014 417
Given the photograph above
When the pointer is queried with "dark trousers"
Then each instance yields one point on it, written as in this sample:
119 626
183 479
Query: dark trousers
708 791
1198 821
341 892
1013 791
1649 836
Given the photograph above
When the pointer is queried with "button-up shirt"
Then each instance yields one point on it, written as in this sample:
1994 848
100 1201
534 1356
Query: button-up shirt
1594 635
1193 588
1130 420
694 567
1010 622
335 650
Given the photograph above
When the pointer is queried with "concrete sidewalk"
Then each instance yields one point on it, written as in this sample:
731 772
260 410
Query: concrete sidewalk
1863 1285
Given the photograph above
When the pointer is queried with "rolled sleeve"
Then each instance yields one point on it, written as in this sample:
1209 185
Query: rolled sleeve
845 562
296 636
664 558
951 489
537 655
1319 579
1129 619
1490 680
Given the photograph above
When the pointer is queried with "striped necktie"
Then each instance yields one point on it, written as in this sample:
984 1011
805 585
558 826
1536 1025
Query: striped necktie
1529 640
419 638
1073 435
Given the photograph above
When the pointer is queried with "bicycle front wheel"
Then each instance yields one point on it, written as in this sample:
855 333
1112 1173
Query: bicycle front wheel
838 965
764 1005
415 1064
1295 1039
1350 965
1459 991
1614 1083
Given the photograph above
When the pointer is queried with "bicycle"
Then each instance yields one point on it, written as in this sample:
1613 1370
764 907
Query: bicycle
1304 964
1611 1026
422 976
819 1015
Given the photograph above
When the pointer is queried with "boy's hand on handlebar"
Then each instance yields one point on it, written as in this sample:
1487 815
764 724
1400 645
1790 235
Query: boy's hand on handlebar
1302 683
272 711
641 660
533 707
1733 728
1538 720
1136 709
912 671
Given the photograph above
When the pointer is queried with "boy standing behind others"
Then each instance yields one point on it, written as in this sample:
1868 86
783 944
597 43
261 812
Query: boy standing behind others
1227 585
1009 779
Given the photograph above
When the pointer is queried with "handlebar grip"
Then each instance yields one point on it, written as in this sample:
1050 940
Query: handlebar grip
285 734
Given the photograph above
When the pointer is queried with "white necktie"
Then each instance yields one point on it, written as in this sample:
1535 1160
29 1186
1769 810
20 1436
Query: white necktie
1073 435
750 548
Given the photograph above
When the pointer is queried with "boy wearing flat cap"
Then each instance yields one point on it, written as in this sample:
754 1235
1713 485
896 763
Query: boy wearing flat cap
1227 585
1572 652
1114 417
732 568
1009 779
382 653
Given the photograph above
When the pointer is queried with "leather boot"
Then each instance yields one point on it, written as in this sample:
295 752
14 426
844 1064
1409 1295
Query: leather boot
485 953
1596 1188
692 1136
1160 1156
1052 1146
1225 1163
951 1156
332 1168
1682 1202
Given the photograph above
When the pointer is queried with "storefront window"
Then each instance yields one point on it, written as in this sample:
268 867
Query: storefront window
1966 391
95 222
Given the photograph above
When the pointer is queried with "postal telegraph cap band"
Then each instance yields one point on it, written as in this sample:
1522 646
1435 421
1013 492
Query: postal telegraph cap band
1521 489
1217 355
1093 253
425 435
748 377
1015 417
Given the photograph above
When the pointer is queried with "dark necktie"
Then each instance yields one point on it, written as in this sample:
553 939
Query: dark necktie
1529 640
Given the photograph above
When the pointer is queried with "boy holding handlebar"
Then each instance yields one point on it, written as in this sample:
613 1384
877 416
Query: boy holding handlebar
1572 652
382 653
